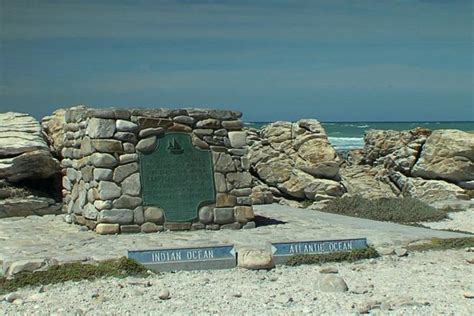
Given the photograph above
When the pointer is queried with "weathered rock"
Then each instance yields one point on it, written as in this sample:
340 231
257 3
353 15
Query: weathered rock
127 201
149 227
125 126
206 214
101 160
254 259
209 124
131 185
223 162
225 200
234 125
239 180
123 171
116 216
238 139
102 174
151 132
223 215
332 283
109 190
243 213
154 215
23 265
220 182
368 182
29 165
147 144
428 191
448 155
107 145
53 127
100 128
107 229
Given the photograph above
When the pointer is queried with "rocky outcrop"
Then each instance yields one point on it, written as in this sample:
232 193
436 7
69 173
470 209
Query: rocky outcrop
447 155
296 158
27 168
368 182
54 128
24 153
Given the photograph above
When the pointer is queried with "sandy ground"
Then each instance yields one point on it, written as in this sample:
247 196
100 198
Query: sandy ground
430 283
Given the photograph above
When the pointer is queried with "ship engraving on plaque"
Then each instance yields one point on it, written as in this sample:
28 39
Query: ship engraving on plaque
177 177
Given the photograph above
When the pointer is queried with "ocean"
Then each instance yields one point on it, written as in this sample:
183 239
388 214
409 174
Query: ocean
350 135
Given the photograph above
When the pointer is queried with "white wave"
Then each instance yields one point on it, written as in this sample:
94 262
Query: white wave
346 143
362 126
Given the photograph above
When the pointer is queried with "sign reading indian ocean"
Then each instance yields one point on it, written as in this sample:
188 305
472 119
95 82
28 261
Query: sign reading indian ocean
177 177
283 250
198 258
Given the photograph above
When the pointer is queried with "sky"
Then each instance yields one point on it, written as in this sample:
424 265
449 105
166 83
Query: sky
400 60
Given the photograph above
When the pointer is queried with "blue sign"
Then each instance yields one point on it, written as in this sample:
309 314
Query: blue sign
168 259
318 246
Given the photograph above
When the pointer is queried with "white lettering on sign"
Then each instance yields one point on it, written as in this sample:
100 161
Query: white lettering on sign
166 256
321 247
199 254
180 255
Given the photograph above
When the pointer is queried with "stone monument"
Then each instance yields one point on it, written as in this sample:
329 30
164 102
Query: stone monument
147 170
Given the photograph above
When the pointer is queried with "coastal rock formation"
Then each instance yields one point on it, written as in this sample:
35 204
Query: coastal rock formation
27 168
53 126
296 158
447 155
368 182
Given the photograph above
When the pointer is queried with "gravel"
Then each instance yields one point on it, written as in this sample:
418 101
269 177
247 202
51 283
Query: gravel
434 282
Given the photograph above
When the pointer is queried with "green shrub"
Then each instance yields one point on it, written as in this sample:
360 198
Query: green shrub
399 210
73 272
339 256
443 244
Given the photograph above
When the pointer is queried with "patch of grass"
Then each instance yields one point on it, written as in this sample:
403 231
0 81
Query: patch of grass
306 203
444 244
398 210
73 272
339 256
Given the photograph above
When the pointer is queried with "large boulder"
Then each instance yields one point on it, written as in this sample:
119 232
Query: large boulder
429 191
53 127
397 150
24 154
28 171
447 155
296 158
368 182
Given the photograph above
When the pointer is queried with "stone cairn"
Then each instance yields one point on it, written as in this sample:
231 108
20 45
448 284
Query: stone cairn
101 182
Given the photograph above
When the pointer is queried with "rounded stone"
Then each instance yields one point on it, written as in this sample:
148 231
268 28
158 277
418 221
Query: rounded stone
224 215
102 174
147 144
102 160
332 283
125 126
206 214
107 229
116 216
149 227
154 215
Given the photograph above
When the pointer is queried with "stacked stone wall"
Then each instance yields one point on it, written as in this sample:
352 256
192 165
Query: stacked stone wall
101 182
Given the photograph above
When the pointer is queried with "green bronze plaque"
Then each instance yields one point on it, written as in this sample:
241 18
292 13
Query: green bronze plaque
177 177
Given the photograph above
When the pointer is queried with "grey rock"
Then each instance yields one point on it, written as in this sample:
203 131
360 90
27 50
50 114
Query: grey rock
241 192
23 265
131 185
90 211
249 225
149 227
401 252
154 215
127 158
100 128
225 200
108 190
129 148
223 162
183 119
328 270
239 180
107 145
238 151
123 171
220 182
126 137
332 283
221 132
199 143
234 125
147 144
102 174
127 201
33 164
116 216
164 294
102 205
206 214
238 139
224 114
151 132
208 124
198 226
200 132
102 160
138 216
125 126
224 215
244 200
254 259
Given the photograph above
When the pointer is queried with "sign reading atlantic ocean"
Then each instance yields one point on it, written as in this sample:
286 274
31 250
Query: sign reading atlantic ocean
177 177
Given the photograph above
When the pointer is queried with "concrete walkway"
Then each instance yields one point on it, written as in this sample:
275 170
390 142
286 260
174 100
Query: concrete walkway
50 237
